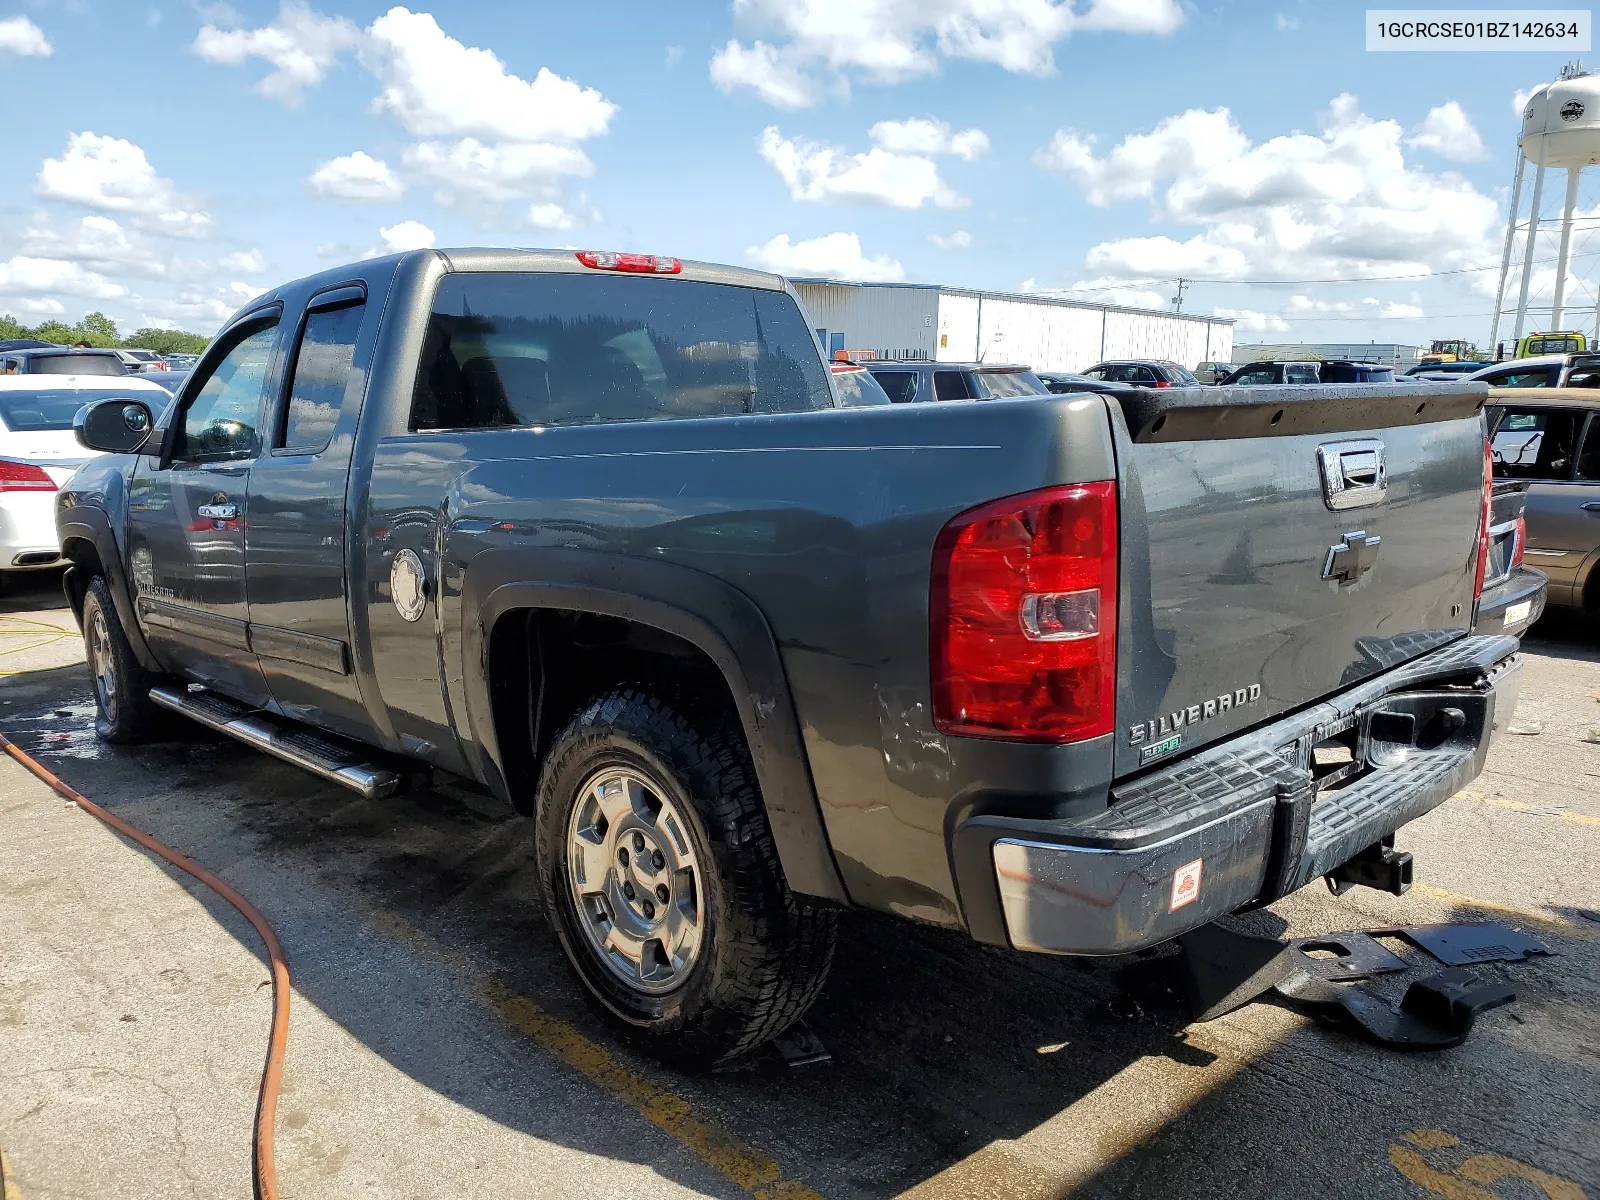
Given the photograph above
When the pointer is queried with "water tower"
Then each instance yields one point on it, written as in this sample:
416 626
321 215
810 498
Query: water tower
1560 129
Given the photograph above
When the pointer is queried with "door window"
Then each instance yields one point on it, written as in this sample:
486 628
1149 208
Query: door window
508 349
321 371
1535 443
220 419
1301 373
1589 456
950 385
899 386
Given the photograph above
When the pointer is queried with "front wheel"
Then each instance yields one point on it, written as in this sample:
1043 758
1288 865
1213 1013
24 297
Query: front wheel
123 711
662 882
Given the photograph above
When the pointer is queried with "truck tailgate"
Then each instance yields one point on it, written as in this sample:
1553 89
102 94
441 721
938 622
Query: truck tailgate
1281 544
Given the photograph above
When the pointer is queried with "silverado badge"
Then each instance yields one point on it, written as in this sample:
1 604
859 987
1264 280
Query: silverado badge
1164 734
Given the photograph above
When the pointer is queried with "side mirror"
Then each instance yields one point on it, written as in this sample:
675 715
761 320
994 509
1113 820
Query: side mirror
114 426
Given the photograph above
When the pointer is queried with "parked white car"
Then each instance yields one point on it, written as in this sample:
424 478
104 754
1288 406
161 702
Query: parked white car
38 453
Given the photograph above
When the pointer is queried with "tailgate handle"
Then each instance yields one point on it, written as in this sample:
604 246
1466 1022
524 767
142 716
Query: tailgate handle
1353 473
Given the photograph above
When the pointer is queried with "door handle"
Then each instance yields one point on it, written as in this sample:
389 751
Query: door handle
1593 506
219 512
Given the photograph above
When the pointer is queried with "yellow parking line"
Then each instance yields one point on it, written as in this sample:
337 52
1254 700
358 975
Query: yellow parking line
718 1149
1475 1177
9 1188
1519 806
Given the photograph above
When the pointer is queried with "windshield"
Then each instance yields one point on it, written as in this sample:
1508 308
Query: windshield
1002 385
41 409
859 387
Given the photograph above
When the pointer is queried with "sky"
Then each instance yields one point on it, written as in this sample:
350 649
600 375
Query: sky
169 160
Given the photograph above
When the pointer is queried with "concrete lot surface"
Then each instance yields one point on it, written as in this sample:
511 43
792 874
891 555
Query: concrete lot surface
438 1047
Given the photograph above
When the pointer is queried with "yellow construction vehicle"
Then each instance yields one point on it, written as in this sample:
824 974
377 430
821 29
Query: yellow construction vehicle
1570 342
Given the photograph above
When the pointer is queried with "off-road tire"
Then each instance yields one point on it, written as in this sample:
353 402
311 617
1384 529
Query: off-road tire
765 952
123 712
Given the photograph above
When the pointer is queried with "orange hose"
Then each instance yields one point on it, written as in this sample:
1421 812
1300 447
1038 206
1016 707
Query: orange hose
266 1178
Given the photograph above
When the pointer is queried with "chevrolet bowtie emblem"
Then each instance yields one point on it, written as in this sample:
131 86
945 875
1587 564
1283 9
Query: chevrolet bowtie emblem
1352 558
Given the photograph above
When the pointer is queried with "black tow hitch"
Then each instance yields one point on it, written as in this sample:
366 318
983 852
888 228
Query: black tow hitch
1379 866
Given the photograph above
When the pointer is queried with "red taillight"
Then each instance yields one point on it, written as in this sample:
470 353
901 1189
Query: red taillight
24 477
1161 383
1024 617
1522 539
641 264
1484 519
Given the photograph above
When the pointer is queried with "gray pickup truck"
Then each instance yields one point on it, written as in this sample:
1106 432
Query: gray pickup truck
1072 673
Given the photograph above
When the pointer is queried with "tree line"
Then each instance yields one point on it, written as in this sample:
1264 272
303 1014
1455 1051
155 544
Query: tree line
100 330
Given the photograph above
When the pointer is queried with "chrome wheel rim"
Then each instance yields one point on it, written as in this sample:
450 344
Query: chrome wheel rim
635 880
100 660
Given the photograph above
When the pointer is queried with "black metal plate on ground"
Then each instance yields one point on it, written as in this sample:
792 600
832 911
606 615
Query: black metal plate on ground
1477 942
1358 956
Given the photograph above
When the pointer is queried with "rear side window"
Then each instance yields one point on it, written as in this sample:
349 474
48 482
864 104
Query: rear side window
950 385
1300 373
321 371
857 388
76 364
1256 376
1535 444
506 349
900 386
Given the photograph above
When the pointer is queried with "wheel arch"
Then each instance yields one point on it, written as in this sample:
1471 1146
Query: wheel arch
87 542
717 620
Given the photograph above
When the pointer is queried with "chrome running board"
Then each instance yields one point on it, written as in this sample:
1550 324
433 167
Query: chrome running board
315 752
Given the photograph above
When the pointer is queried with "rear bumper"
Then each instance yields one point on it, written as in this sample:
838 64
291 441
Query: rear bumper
28 531
1513 604
1241 823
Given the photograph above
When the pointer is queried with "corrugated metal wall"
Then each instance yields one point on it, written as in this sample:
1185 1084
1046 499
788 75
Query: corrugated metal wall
960 326
896 322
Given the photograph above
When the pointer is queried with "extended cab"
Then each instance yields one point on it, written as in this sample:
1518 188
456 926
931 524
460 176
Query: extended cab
1074 674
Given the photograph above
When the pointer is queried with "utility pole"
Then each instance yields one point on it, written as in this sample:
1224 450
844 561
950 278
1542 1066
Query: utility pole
1177 301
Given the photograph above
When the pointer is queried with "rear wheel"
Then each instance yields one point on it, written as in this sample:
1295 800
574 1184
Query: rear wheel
123 711
663 884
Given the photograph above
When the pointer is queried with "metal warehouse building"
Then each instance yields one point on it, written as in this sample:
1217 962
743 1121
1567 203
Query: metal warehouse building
947 324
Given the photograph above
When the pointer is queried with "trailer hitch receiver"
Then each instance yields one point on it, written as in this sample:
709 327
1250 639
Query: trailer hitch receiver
1379 866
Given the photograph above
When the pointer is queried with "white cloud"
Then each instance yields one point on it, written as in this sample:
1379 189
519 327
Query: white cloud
495 171
199 307
1340 204
244 262
820 173
33 306
766 72
551 216
1449 133
832 256
919 135
114 175
356 176
886 41
23 274
1285 24
301 45
1251 321
20 36
674 56
1519 100
959 240
437 87
407 235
